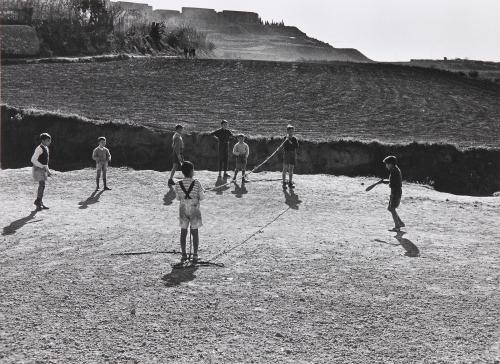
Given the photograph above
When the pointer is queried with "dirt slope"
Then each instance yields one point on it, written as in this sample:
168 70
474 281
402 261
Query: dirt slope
325 282
390 103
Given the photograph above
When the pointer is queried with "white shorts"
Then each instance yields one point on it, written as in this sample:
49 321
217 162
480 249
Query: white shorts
190 215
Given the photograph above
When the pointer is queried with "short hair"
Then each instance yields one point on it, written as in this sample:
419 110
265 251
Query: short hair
101 138
178 126
288 127
241 135
186 168
45 136
390 160
224 121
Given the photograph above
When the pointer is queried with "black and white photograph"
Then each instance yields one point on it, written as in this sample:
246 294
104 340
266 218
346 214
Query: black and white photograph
267 181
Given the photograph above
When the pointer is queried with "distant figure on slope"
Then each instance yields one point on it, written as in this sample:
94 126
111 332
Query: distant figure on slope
189 192
186 53
395 183
177 152
41 171
223 135
241 151
102 157
289 156
192 53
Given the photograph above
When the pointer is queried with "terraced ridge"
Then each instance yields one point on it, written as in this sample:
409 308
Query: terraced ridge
325 101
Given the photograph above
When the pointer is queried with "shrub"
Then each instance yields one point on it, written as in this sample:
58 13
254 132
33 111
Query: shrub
473 74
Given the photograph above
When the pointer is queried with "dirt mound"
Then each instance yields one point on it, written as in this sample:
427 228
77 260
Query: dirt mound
471 171
318 280
19 41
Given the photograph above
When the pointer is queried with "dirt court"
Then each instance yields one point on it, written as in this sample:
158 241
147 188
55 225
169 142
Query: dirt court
322 280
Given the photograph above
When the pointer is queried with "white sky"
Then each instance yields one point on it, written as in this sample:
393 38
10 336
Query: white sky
384 30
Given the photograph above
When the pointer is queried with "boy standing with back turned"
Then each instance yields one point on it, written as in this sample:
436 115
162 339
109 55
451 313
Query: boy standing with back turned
395 183
189 192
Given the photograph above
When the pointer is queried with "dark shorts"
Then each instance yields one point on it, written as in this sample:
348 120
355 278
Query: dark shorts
175 160
289 158
241 163
394 201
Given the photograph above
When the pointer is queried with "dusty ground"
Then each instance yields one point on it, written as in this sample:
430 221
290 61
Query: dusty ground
325 282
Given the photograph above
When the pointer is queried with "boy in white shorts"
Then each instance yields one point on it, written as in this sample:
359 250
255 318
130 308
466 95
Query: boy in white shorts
189 192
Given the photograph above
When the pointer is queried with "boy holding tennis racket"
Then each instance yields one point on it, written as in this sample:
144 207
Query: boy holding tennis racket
395 183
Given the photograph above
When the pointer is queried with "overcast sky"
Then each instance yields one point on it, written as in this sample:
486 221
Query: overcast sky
384 30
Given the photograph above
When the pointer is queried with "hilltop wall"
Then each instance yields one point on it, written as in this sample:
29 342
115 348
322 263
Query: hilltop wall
474 171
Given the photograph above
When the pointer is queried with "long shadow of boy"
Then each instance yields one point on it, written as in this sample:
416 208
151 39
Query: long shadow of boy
292 199
239 191
16 225
410 248
221 182
179 275
169 196
92 199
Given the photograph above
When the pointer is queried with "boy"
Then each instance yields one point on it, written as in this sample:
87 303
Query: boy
223 135
102 157
241 151
289 156
177 152
189 192
395 183
40 161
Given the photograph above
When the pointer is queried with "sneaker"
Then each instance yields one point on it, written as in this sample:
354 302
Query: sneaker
244 179
227 175
291 185
171 182
402 224
106 188
184 258
284 185
43 207
394 229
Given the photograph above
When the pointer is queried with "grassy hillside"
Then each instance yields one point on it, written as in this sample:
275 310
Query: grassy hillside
324 283
325 101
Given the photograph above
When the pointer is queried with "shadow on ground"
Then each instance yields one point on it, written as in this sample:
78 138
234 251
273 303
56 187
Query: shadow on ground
169 196
223 183
239 190
92 199
16 225
179 275
411 250
292 199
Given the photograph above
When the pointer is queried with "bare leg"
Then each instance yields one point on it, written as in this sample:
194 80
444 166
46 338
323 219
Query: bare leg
104 176
285 169
395 217
183 241
196 241
172 172
98 176
290 173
